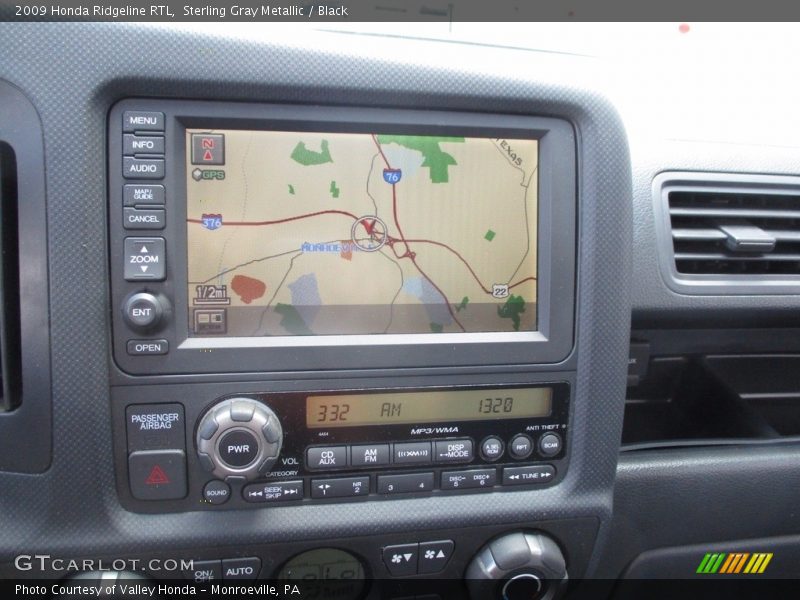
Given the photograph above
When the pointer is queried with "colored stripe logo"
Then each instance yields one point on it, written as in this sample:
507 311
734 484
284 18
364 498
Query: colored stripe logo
734 563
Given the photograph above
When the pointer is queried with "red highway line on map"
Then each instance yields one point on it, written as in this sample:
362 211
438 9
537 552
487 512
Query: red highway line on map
297 218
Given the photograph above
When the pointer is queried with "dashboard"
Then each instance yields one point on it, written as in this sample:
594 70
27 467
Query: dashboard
385 316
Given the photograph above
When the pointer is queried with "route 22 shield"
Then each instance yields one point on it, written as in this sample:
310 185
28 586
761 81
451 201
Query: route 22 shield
392 176
211 222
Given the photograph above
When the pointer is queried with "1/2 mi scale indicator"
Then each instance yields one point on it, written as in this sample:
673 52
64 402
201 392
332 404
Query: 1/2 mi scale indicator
350 410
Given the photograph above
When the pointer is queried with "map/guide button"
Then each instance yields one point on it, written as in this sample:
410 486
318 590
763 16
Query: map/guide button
145 194
145 259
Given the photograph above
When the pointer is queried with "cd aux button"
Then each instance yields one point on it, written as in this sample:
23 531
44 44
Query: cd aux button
326 457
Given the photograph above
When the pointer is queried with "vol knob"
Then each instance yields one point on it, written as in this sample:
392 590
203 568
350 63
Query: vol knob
239 438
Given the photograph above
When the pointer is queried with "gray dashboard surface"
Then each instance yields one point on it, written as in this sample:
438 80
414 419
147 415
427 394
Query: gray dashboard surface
73 73
701 496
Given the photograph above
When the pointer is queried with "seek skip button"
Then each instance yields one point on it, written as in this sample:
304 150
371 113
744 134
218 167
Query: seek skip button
326 457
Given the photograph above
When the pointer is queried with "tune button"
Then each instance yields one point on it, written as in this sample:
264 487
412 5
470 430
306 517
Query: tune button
550 444
238 448
492 448
521 446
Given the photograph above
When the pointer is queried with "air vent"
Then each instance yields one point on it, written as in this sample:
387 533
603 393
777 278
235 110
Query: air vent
736 233
10 371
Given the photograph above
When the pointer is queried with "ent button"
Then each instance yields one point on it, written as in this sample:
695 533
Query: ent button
142 311
145 259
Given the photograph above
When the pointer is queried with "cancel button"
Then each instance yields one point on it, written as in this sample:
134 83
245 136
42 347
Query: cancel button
147 347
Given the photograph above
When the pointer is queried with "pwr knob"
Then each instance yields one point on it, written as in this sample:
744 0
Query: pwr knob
239 438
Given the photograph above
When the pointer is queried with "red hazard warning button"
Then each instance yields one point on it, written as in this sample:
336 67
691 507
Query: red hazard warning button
157 474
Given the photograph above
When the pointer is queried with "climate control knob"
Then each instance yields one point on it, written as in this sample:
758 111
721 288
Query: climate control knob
239 438
518 566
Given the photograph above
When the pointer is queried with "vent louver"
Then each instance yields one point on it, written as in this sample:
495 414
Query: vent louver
735 233
729 233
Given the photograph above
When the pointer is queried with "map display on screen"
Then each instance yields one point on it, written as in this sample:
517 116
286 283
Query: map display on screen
299 233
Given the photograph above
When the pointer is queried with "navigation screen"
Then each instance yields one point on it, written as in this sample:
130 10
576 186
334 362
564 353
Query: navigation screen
298 233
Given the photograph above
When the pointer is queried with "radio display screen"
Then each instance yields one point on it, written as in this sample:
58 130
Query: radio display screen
304 233
352 410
